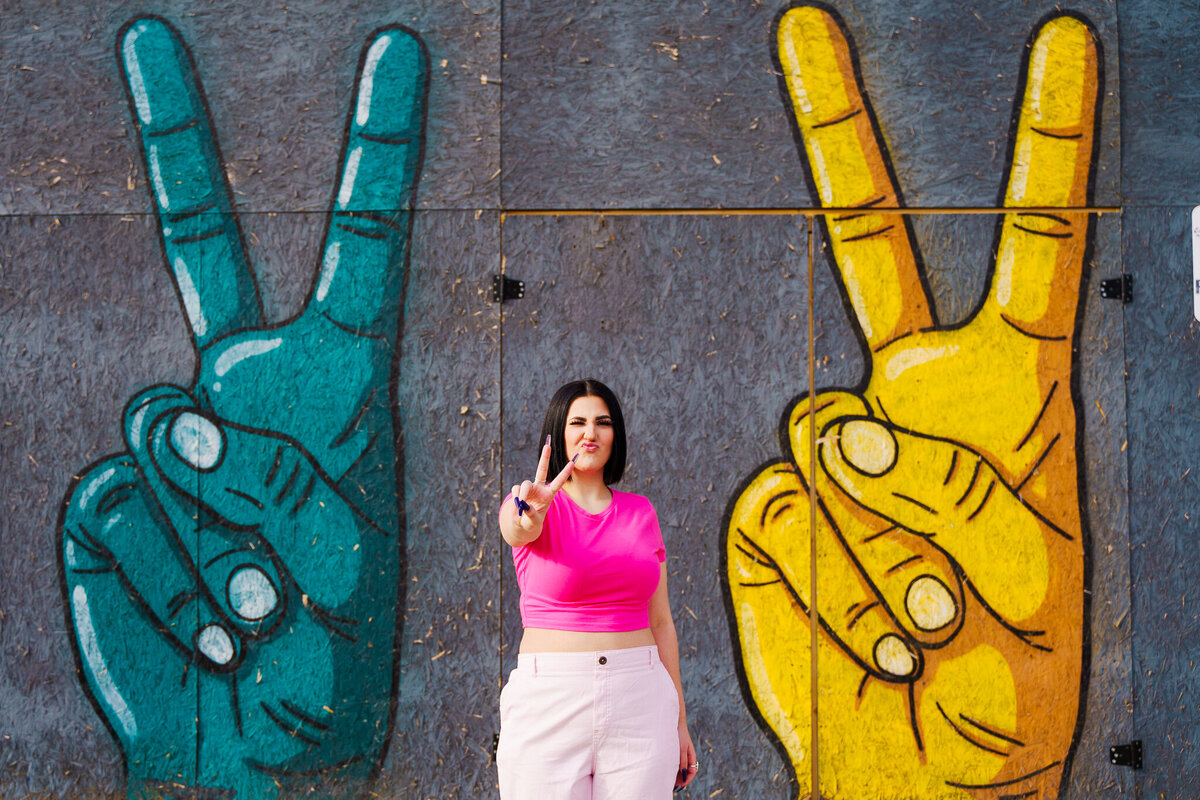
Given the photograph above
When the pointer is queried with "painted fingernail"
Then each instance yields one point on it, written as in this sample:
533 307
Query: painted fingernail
522 506
893 657
215 644
547 444
868 446
930 604
574 457
196 440
251 594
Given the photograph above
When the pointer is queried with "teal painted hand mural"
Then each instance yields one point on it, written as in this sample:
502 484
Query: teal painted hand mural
233 579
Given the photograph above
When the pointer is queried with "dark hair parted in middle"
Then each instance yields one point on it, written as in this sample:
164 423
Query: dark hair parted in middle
556 422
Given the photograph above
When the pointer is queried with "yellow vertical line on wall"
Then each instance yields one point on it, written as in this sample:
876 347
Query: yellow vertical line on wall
500 391
813 620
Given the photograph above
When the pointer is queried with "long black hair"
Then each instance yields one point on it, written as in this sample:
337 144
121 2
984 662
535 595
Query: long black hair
556 422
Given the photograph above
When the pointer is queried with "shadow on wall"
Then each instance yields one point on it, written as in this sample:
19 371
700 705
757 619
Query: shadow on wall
232 579
949 551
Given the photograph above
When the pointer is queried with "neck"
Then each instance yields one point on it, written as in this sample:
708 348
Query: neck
588 489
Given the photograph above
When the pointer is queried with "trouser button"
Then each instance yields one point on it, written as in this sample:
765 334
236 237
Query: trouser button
603 660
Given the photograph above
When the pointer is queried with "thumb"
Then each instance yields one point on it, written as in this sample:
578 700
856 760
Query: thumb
949 493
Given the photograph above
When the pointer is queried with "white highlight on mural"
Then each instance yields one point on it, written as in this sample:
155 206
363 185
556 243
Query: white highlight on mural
929 603
328 268
1037 78
1037 70
1020 169
191 297
915 358
215 643
243 350
798 92
197 440
1006 263
135 425
136 83
824 184
251 594
365 86
160 188
854 289
95 486
348 178
100 673
892 656
1196 262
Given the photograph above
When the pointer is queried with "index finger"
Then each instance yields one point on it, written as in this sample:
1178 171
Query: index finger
200 236
362 267
1040 256
848 166
562 476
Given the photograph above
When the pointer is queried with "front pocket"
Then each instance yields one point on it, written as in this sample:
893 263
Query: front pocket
508 693
668 688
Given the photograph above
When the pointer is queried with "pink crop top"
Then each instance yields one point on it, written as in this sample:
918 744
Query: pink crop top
591 572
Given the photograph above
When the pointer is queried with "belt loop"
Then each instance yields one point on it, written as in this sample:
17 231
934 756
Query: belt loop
534 659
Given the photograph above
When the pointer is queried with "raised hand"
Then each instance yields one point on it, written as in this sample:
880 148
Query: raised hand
950 544
522 523
233 578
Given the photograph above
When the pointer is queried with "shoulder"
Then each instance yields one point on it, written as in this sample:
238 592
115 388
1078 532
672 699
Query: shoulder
630 504
631 501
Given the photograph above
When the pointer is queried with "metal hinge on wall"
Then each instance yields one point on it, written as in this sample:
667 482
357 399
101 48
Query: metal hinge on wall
506 288
1118 288
1126 755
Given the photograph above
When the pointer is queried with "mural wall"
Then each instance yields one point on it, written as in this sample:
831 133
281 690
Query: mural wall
926 494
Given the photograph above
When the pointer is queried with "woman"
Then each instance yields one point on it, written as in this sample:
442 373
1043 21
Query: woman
594 709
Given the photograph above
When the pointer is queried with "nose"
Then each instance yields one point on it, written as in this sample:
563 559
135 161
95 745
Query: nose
589 431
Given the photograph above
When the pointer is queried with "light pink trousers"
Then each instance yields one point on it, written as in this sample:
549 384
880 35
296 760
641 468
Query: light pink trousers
589 726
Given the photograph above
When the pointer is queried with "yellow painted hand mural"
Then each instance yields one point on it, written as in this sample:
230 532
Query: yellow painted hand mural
950 543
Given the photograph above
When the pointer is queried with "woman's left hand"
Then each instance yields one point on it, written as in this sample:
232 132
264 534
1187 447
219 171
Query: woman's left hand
688 765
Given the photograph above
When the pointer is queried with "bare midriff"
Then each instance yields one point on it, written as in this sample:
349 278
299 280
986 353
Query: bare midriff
548 640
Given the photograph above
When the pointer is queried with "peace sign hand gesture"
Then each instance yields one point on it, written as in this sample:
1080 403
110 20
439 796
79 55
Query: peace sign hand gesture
949 539
233 577
521 520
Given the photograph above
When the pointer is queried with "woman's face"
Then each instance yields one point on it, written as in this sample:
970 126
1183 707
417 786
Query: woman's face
589 433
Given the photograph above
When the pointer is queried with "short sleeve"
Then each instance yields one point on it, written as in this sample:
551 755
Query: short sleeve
661 551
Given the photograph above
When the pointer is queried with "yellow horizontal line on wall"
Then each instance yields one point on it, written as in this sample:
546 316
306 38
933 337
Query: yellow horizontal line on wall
799 212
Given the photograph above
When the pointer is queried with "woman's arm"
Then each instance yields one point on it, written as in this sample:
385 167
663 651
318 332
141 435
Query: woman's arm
521 530
662 626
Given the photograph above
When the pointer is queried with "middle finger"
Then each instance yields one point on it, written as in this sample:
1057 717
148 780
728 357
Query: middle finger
543 467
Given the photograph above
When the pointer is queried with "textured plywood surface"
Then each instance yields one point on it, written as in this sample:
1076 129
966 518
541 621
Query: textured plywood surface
279 79
1158 111
79 341
616 104
1161 336
699 327
957 256
699 323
